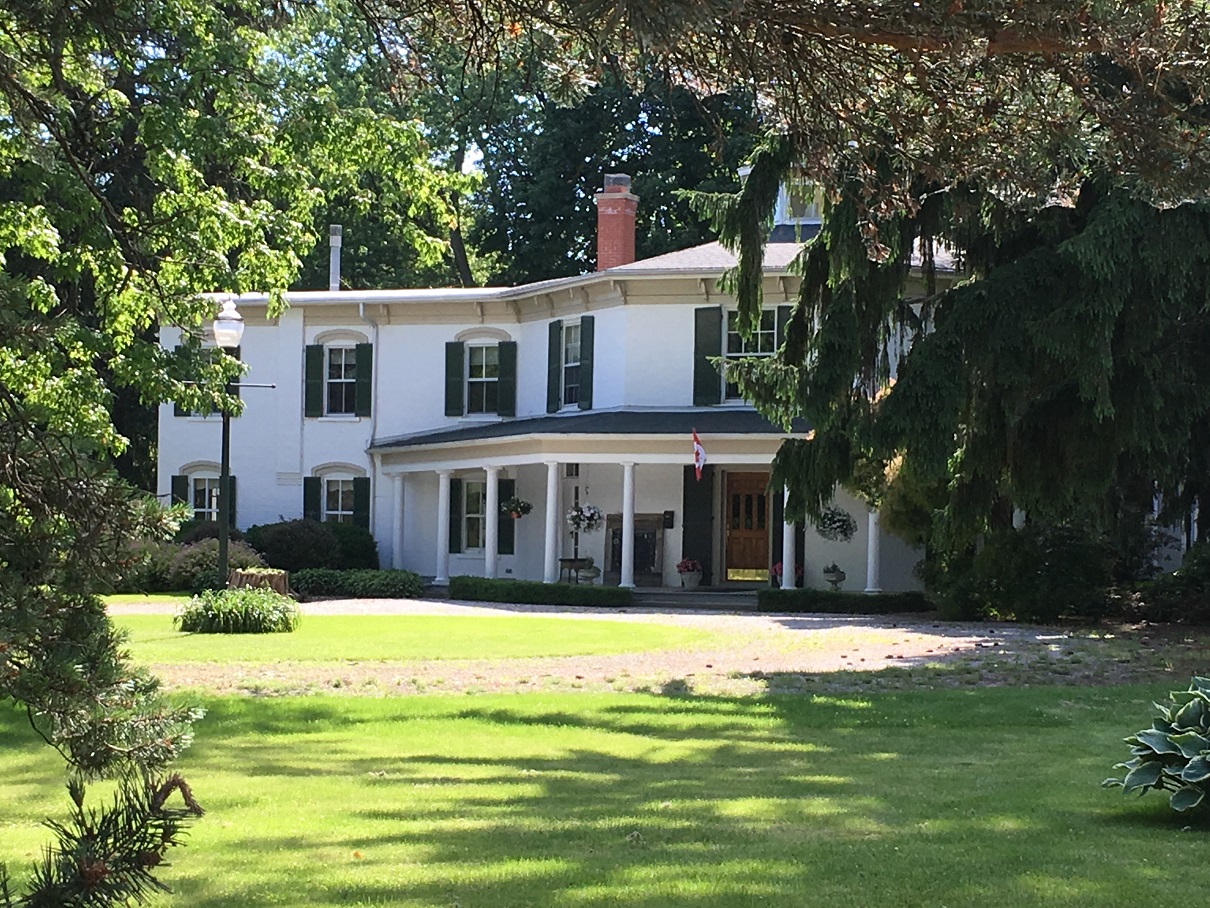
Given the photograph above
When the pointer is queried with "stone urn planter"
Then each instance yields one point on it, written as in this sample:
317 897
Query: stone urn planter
835 576
691 580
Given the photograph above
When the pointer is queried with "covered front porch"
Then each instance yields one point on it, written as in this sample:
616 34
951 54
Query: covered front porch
444 515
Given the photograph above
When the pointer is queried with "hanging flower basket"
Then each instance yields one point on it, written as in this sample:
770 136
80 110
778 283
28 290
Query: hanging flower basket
585 518
515 507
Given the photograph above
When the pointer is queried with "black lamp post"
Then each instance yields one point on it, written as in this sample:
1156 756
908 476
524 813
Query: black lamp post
228 330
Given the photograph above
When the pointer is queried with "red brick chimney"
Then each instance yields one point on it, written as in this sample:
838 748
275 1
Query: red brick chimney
615 222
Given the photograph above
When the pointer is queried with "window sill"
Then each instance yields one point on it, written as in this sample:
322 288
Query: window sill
481 417
339 417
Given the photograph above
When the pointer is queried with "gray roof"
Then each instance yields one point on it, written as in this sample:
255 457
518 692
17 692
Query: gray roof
715 421
709 257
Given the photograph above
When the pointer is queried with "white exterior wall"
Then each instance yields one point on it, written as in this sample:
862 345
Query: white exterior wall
643 358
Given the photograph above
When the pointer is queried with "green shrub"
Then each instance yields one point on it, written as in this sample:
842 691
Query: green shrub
195 567
1183 595
197 529
839 603
1174 753
1035 574
531 592
356 584
293 545
356 546
149 569
238 612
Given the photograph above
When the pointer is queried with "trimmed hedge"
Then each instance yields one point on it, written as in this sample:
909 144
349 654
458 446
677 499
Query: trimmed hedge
195 566
532 592
238 612
356 584
838 603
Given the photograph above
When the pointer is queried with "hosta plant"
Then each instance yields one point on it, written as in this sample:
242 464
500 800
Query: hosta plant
1174 753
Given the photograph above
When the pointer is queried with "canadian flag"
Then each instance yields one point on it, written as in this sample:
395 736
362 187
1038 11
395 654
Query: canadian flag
699 455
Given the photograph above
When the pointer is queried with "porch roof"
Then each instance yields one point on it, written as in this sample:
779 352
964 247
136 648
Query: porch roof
679 423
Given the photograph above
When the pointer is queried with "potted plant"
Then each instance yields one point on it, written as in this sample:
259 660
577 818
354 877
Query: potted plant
588 571
776 572
585 518
515 507
690 570
834 575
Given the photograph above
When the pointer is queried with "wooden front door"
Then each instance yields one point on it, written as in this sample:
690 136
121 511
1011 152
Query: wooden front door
747 521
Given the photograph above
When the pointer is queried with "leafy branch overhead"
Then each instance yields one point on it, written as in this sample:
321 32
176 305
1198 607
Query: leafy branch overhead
1029 97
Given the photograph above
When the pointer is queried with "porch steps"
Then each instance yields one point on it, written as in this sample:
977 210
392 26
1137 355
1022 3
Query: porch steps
705 599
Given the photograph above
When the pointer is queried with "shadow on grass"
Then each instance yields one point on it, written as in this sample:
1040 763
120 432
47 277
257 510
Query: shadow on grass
971 797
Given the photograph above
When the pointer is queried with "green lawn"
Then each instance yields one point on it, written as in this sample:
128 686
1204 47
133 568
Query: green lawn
147 598
939 798
362 638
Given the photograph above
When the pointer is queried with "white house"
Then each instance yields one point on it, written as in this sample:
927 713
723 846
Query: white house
416 412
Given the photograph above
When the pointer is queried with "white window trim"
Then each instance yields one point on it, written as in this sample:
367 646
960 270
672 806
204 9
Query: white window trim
328 381
727 313
323 498
208 476
466 380
563 366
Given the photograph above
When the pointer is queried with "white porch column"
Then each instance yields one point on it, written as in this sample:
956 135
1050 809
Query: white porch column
397 523
873 555
789 570
443 528
550 566
491 524
627 578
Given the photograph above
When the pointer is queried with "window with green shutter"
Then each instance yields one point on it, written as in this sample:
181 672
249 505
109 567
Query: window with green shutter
587 341
506 532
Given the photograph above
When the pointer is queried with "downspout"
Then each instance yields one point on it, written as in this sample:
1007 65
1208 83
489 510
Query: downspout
374 461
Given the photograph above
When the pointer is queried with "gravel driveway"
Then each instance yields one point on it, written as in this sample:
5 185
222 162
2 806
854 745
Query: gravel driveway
763 653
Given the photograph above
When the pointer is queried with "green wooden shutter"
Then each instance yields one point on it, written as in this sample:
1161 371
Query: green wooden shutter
231 505
313 488
313 386
177 409
506 532
697 519
180 490
361 496
506 385
455 515
455 374
363 391
554 367
707 342
587 333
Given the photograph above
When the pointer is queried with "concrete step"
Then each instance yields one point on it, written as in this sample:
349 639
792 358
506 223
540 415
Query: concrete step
722 600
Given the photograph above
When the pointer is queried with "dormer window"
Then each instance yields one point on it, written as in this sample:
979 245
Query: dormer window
799 203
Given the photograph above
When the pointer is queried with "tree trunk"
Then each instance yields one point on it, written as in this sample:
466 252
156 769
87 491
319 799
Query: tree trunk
278 581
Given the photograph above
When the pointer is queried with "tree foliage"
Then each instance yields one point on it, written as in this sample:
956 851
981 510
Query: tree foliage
150 152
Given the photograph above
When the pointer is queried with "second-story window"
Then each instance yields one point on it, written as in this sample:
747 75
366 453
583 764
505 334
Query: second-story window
482 378
571 364
762 343
341 390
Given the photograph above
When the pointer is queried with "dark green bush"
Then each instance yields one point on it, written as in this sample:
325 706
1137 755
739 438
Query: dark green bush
1035 574
840 603
195 530
244 611
356 584
357 548
1174 753
195 567
1182 596
531 592
150 568
293 545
